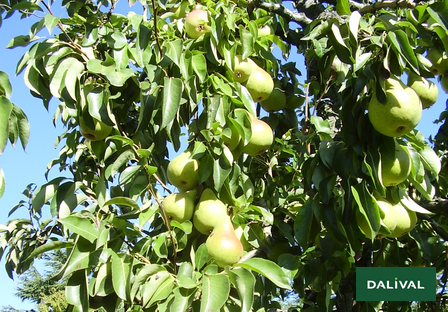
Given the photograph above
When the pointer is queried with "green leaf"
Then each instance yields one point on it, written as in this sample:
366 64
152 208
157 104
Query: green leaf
247 41
81 226
50 22
355 18
76 291
182 299
401 43
121 274
430 159
5 85
172 94
303 222
57 78
163 291
72 77
174 50
5 111
121 160
244 282
215 291
341 49
150 288
199 65
367 206
143 275
52 245
201 257
268 269
343 7
20 41
125 201
22 125
44 193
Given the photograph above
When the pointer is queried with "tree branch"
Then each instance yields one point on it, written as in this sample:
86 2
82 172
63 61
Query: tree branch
393 4
281 10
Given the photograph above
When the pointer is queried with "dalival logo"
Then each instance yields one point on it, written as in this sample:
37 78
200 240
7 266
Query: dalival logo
395 284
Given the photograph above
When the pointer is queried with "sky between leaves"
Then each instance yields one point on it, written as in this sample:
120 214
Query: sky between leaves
24 167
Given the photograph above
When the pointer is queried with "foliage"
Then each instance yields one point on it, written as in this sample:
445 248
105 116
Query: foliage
142 75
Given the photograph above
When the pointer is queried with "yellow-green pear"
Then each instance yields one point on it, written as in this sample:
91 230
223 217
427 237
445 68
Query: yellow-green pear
426 90
388 216
406 220
196 23
276 100
99 132
400 113
242 69
260 84
439 61
208 212
261 139
223 245
182 172
180 206
394 171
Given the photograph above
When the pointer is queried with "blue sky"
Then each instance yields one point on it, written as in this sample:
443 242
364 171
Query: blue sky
24 167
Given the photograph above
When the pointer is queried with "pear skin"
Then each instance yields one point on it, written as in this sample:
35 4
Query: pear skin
208 212
223 245
182 172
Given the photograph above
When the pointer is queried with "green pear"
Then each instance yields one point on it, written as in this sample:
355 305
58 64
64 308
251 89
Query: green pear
260 84
439 61
182 172
426 90
394 171
208 212
276 100
388 217
401 112
196 23
265 31
242 68
99 132
261 139
180 206
406 220
223 245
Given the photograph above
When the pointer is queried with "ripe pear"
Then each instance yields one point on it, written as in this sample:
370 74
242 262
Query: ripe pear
223 245
394 171
99 132
180 206
439 61
426 90
261 139
196 23
401 112
208 212
242 69
260 84
182 172
276 100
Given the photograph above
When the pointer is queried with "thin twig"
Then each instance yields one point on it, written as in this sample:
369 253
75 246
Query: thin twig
156 31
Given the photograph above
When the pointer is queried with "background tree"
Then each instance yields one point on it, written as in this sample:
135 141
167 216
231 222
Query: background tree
308 200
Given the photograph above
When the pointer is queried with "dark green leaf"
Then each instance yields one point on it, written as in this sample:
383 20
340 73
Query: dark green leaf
125 201
244 282
5 85
76 291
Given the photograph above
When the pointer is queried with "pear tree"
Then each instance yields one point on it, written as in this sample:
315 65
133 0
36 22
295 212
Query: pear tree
180 191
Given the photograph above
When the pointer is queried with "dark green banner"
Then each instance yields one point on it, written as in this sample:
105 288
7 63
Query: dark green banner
395 284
